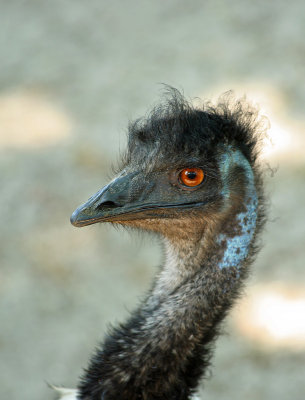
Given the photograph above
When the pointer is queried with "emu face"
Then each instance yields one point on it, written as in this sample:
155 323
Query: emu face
168 193
165 185
173 173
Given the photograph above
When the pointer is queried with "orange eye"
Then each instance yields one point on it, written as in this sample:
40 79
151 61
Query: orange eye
191 176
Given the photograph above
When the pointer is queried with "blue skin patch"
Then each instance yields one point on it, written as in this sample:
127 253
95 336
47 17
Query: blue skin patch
238 246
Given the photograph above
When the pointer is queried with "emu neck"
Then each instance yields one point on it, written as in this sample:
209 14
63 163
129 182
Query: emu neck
183 258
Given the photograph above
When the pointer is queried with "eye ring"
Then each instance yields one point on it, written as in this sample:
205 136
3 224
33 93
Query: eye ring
191 177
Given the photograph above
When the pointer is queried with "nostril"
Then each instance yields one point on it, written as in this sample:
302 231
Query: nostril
108 204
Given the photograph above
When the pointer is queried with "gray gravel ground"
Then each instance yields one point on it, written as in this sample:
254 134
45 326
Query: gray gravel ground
96 64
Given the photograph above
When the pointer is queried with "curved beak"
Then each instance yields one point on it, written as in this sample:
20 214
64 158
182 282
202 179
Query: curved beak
105 205
91 211
119 201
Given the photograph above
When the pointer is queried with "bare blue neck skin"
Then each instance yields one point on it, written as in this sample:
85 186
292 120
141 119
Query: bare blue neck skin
238 246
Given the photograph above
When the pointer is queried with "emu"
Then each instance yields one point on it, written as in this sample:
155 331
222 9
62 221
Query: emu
192 176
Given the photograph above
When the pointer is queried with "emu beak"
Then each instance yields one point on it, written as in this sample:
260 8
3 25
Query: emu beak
103 206
119 201
88 212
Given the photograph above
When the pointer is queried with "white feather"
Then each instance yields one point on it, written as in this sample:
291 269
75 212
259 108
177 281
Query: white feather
65 394
71 394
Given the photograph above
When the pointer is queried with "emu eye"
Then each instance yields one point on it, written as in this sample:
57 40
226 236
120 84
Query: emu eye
191 176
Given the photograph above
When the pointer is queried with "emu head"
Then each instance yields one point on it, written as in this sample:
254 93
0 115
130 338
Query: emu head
181 166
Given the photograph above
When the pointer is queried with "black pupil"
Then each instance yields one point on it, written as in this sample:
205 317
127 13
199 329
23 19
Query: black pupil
192 175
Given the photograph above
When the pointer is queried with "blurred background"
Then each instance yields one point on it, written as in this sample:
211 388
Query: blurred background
72 74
